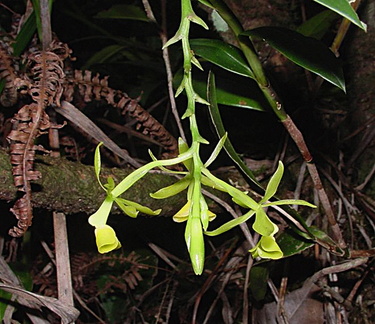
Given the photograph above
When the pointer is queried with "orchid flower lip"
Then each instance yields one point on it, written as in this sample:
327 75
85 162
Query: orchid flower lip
106 239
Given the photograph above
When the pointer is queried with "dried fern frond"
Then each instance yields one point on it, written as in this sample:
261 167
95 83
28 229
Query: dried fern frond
44 82
96 88
28 123
45 72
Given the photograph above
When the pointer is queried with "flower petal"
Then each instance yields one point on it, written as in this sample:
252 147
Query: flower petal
99 218
106 239
131 211
204 213
267 248
139 207
216 151
183 214
173 189
232 223
274 182
183 148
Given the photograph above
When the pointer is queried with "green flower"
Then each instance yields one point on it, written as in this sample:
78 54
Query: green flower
267 246
106 239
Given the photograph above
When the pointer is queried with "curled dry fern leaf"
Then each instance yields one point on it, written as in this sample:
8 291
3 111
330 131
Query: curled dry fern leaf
45 74
96 88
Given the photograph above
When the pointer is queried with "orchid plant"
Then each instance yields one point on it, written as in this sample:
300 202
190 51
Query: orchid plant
195 212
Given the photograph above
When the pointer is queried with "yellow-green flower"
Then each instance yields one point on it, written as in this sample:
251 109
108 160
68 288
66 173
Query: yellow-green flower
106 239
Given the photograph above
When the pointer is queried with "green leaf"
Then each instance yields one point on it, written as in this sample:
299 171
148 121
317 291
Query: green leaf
220 130
274 182
318 25
228 98
36 7
292 244
307 52
326 241
103 55
258 281
229 94
222 54
2 85
5 300
123 12
24 36
207 3
230 91
343 8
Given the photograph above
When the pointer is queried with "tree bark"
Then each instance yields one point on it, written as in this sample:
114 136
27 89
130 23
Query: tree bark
71 187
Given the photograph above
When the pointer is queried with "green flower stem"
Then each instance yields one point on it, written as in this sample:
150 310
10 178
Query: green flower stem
198 212
243 41
251 57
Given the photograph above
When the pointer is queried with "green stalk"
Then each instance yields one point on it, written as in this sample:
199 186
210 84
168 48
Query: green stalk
251 57
243 41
